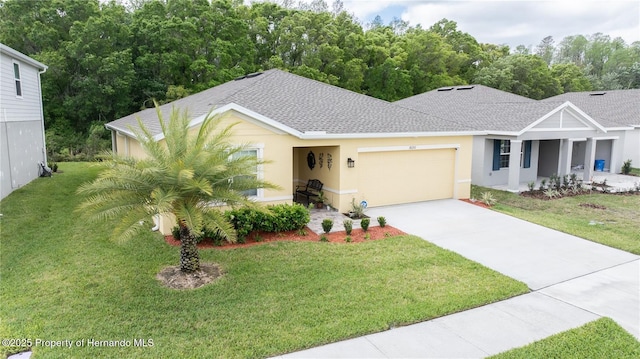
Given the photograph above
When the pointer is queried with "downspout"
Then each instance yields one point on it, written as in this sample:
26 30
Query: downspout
156 220
114 141
44 140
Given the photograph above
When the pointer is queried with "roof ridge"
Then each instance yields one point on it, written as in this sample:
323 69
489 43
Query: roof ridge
263 75
434 116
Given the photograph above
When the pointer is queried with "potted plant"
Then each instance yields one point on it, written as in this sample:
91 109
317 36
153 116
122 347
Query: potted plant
321 200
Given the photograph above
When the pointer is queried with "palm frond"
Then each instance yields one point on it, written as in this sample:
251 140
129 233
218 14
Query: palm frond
216 220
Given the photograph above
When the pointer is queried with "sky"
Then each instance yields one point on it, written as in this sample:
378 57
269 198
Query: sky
511 22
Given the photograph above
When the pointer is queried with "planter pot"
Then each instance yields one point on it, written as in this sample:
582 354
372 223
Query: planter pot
352 214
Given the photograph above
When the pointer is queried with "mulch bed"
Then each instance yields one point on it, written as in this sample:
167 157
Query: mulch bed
357 236
476 202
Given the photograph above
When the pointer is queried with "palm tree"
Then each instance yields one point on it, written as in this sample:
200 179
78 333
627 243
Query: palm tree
187 175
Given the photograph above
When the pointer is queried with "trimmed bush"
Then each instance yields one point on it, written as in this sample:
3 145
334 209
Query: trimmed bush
348 225
382 221
275 218
327 224
364 224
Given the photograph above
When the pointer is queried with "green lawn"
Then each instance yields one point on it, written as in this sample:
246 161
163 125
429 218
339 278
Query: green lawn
635 171
63 279
615 225
602 338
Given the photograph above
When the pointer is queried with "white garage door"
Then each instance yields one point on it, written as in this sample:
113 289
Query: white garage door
397 177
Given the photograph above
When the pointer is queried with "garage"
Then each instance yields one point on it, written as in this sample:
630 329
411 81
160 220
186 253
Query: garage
401 176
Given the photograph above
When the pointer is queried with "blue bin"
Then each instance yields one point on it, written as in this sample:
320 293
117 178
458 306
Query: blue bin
599 166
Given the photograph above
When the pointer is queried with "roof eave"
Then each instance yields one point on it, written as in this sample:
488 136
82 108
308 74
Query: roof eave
19 55
364 135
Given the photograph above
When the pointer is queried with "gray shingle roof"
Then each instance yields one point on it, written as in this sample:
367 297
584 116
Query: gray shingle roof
621 107
481 107
487 109
304 105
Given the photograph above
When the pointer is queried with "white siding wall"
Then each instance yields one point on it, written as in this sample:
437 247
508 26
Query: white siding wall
21 125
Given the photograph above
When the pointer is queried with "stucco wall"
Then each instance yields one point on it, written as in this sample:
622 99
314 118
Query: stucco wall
287 157
631 148
483 173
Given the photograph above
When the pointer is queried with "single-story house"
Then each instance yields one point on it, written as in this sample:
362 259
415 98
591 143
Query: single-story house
22 143
360 147
621 107
538 138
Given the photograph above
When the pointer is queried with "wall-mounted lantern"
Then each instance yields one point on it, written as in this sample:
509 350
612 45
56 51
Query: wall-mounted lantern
351 163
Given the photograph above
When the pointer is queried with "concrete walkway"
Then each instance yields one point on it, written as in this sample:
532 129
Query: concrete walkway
573 282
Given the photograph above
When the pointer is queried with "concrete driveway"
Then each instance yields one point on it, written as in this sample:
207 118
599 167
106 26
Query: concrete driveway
573 281
533 254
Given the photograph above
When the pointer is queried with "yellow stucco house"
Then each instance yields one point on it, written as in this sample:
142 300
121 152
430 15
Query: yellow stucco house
359 147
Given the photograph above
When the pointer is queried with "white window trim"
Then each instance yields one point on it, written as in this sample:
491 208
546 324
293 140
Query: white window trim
510 153
18 79
259 170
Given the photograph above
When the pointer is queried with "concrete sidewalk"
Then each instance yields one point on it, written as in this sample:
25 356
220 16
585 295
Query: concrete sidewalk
573 282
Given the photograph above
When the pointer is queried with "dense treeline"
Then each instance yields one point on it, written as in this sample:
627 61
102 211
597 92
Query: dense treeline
107 60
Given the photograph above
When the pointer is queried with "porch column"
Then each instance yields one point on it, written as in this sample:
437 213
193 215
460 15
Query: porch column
589 159
564 162
614 167
514 166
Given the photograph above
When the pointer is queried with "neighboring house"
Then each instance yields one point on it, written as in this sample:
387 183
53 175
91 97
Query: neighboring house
22 144
621 107
311 130
538 138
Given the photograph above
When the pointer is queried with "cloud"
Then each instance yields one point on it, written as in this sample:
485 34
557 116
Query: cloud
513 22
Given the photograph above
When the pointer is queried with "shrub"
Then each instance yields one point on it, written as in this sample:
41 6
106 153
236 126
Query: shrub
382 221
175 232
357 209
289 217
327 224
551 193
347 239
488 199
367 236
532 186
324 238
626 167
276 218
348 225
364 224
543 184
216 236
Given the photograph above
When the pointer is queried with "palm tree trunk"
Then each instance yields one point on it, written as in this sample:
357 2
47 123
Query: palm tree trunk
189 256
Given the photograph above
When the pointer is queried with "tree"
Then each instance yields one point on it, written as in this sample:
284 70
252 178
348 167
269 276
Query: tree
545 49
184 176
525 75
571 77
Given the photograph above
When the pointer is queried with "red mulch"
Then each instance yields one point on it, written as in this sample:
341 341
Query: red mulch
357 236
477 203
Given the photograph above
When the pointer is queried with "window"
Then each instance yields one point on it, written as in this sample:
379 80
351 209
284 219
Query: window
248 153
16 75
502 153
505 151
